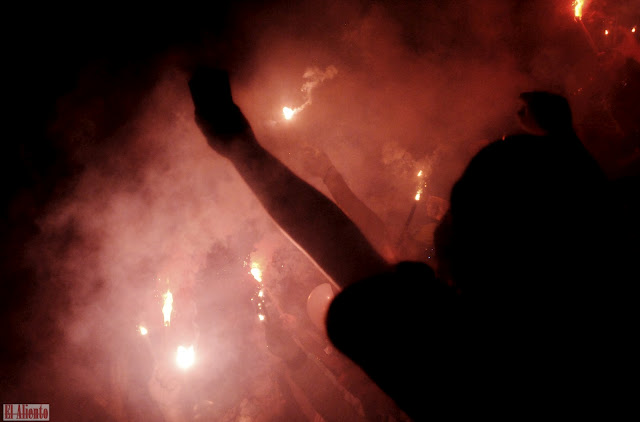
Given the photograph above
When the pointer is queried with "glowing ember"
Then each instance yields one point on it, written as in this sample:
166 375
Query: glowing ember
418 196
288 113
256 272
606 32
633 29
185 357
420 173
143 330
261 317
577 7
260 293
167 307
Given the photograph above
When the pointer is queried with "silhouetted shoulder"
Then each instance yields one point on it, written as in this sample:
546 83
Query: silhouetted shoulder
403 328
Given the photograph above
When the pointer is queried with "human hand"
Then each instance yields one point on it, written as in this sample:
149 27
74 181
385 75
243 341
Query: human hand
220 120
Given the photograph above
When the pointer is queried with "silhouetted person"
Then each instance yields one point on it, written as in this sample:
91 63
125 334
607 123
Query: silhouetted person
319 165
549 114
545 113
521 330
503 171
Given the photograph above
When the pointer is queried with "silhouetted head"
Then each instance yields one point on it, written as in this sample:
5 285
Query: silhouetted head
545 113
522 218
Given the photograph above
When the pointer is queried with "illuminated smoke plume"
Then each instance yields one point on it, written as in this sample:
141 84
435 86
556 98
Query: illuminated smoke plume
314 77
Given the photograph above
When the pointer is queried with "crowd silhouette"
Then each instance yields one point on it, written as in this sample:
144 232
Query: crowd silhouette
529 311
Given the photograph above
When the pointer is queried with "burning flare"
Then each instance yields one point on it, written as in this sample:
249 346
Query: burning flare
143 330
577 8
419 192
167 307
185 357
256 272
288 113
314 77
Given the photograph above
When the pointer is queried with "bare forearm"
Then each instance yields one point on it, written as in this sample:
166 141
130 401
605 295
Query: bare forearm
309 218
370 224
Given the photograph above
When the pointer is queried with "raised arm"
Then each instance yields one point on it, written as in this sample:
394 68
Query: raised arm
310 219
319 164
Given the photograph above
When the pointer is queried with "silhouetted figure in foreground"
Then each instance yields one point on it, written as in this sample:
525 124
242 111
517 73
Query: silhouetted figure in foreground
545 113
549 114
522 330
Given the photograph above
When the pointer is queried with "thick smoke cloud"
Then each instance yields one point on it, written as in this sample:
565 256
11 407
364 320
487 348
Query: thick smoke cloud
385 89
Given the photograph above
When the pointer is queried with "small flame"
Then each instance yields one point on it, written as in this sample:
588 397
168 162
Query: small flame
185 357
288 113
577 7
260 293
256 272
419 192
606 32
143 330
633 29
261 317
167 307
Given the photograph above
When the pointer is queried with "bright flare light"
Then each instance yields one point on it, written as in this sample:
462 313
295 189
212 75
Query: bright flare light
577 8
167 307
633 29
256 272
143 330
606 32
185 357
288 113
419 192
